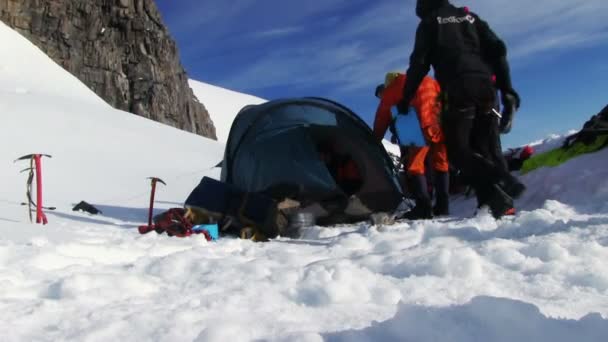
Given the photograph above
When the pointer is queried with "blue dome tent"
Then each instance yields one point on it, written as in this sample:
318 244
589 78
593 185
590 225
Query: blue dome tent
280 148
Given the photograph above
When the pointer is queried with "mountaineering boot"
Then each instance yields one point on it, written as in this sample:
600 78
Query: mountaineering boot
513 187
498 201
496 174
442 194
424 208
422 211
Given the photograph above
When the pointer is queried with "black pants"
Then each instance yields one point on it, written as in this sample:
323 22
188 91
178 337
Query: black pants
487 141
472 136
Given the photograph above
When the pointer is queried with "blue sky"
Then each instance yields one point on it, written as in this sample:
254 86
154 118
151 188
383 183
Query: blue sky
341 49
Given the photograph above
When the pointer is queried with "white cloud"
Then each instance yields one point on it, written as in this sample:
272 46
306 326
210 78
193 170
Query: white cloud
352 55
350 44
532 27
278 32
540 43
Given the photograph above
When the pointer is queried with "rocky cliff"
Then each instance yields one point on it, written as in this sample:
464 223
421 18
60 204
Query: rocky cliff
120 49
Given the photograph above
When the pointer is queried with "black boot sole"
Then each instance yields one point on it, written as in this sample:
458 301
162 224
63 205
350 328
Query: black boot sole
441 212
418 214
500 202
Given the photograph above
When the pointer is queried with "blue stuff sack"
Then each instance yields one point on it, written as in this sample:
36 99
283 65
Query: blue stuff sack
212 229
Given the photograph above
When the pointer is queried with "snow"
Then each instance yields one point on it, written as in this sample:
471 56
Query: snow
539 276
23 67
222 104
484 319
391 148
551 142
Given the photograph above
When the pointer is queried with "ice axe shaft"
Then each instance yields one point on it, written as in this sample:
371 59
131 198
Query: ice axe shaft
40 216
35 165
154 180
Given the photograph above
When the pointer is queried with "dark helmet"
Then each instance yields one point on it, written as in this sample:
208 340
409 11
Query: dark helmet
425 7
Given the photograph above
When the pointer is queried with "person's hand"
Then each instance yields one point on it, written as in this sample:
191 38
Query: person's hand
433 134
403 107
510 104
510 98
506 121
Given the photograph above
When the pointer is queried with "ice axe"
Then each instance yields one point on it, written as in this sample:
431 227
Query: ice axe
35 165
30 156
154 180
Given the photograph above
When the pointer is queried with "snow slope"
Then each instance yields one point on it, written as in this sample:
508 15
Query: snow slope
98 152
539 276
549 143
222 104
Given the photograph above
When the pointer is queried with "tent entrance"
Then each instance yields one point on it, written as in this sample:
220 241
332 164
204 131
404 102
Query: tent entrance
334 149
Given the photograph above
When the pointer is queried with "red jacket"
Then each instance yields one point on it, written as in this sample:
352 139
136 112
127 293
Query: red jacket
425 103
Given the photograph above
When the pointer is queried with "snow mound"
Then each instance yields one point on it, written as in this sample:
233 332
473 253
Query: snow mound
487 319
391 148
222 104
98 152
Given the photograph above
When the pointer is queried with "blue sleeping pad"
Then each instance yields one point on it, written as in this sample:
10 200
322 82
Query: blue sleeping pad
408 130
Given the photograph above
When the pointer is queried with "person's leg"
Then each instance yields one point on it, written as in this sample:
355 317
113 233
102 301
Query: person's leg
488 142
494 144
423 208
416 158
475 170
441 176
492 168
457 126
469 100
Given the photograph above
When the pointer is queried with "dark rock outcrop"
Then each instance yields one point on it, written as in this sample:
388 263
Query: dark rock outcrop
118 48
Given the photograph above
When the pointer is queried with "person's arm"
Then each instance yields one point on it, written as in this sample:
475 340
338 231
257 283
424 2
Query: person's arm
420 63
384 116
428 110
426 102
495 53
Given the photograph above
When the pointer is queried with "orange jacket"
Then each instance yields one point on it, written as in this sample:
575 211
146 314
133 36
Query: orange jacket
425 103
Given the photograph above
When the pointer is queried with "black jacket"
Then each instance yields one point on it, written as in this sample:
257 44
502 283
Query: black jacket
457 43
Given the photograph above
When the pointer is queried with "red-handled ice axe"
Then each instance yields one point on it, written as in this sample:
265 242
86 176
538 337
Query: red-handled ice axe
35 165
154 180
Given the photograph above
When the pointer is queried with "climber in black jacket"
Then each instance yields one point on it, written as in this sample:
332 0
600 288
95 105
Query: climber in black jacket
465 54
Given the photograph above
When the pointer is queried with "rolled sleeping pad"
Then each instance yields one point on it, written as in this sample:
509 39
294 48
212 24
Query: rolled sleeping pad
408 130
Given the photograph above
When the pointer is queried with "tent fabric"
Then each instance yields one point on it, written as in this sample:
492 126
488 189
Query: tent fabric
274 148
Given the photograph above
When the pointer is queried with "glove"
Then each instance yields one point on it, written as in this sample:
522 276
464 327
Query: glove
510 98
510 104
403 107
433 134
